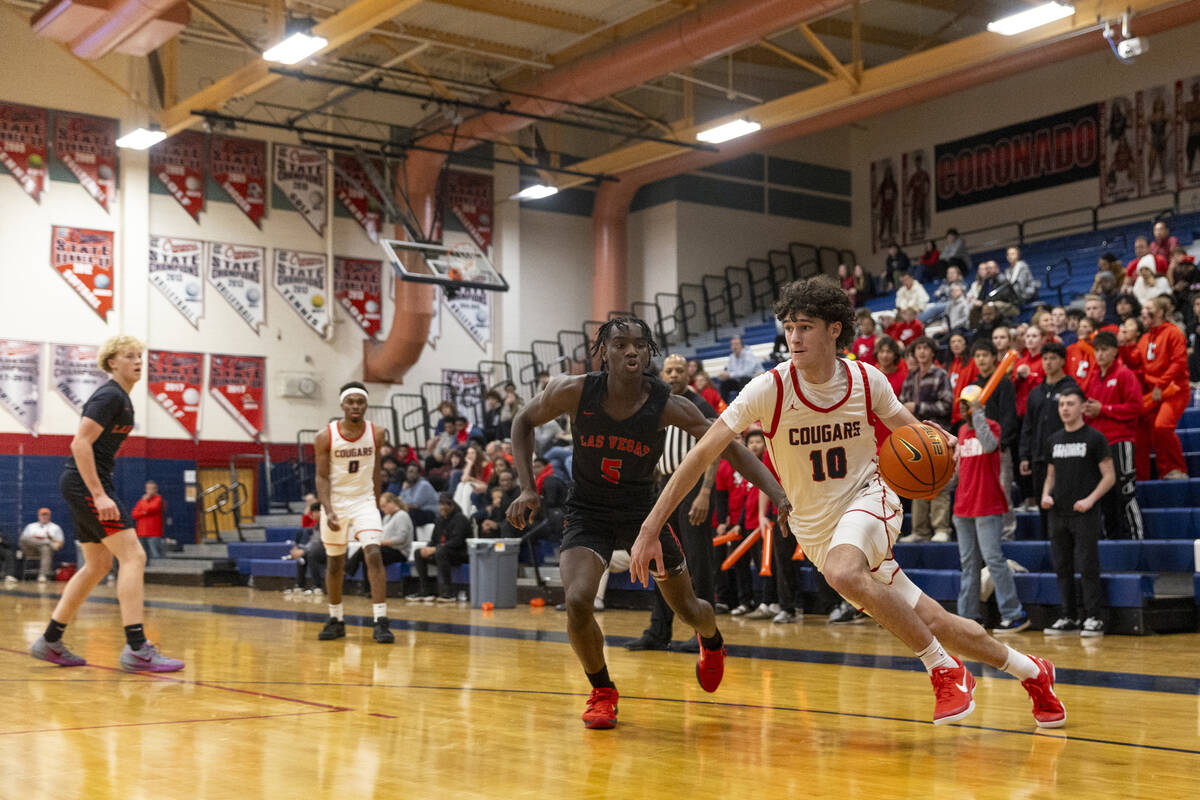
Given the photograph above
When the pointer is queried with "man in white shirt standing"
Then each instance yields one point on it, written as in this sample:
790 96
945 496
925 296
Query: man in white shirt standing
911 294
741 367
42 539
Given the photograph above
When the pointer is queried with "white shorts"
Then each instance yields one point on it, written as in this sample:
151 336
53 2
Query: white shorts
359 523
871 524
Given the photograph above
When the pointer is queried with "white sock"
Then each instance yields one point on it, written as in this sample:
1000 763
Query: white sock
379 610
337 612
935 656
1020 666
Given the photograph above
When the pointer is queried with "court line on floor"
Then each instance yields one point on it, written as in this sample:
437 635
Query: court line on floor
1130 681
161 722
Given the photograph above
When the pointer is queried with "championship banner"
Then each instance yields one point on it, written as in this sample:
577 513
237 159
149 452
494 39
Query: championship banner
20 377
885 204
178 163
915 202
472 308
87 146
358 286
355 191
175 270
469 196
1118 158
1156 150
23 146
1187 132
1039 153
239 166
237 384
300 175
84 258
237 272
175 381
300 278
75 373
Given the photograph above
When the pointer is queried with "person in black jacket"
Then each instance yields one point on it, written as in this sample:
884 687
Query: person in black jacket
447 549
1001 407
1042 419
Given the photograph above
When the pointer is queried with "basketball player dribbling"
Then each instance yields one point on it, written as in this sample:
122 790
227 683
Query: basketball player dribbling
349 480
103 528
618 420
818 411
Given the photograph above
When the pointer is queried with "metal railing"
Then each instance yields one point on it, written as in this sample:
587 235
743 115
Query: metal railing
524 366
412 419
213 506
1066 277
549 356
678 315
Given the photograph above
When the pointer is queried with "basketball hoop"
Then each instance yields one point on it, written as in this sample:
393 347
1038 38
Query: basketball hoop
461 262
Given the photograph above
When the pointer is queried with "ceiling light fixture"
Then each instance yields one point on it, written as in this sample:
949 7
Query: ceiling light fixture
1030 19
299 44
729 130
537 191
141 139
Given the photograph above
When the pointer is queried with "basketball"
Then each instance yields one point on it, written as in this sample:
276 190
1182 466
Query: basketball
916 461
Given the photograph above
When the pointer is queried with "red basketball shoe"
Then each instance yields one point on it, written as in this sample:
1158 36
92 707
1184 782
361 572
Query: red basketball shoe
954 688
710 668
601 710
1047 708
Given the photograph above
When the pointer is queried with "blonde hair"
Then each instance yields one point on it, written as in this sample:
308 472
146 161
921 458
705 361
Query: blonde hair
114 346
388 497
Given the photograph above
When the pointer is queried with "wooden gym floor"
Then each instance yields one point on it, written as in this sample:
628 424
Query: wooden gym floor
471 704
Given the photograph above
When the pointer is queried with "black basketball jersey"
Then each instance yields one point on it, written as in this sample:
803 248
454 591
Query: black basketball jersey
110 407
614 460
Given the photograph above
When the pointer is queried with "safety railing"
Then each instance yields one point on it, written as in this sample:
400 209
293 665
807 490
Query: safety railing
1060 269
211 503
549 357
412 419
675 313
524 366
738 288
574 346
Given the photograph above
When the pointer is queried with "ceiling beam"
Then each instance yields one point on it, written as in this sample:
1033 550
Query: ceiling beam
838 67
797 60
870 34
520 11
459 41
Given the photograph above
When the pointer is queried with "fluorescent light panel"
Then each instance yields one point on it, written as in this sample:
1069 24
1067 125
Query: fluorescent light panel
141 139
730 130
536 192
295 48
1033 18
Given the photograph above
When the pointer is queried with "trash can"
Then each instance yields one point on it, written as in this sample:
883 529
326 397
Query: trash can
494 571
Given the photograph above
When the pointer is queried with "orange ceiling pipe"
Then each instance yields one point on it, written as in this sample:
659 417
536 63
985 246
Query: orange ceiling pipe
97 27
609 278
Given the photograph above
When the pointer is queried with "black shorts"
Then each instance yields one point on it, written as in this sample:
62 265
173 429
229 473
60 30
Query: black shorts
603 533
88 526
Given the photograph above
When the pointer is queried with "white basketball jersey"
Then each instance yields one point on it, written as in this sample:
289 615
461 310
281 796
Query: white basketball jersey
351 467
824 454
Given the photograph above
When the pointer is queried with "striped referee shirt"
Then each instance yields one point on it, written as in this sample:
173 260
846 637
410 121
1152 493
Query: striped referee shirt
679 441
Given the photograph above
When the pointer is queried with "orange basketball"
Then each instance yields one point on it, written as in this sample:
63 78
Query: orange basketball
916 461
454 274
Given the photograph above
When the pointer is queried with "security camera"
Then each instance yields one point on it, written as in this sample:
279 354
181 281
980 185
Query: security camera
1132 48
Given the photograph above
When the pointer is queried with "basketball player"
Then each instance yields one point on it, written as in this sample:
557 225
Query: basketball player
618 417
102 525
349 480
818 412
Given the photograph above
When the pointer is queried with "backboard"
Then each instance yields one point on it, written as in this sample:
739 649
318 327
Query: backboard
451 266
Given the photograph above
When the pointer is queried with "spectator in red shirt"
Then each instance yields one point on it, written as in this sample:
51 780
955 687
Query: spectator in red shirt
892 364
930 259
1162 352
961 369
1163 242
1128 336
864 345
906 330
979 508
1080 357
1028 372
309 519
703 386
1141 247
148 512
1114 404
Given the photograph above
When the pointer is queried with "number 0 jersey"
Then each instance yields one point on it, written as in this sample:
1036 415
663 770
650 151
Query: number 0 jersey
820 437
351 468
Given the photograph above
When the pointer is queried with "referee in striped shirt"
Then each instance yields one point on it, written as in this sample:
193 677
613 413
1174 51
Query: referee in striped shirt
691 521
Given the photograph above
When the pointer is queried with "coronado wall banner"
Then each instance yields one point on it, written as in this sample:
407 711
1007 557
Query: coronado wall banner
885 204
1155 134
470 197
239 166
300 278
178 163
237 384
357 284
84 258
915 203
175 380
75 373
23 146
238 272
87 146
175 271
20 379
300 175
1118 155
355 191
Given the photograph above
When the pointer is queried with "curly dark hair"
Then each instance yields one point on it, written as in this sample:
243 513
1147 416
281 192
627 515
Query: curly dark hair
819 298
629 324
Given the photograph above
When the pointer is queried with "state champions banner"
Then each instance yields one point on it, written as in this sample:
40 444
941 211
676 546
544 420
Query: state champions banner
175 271
175 381
75 373
237 384
470 197
178 164
84 259
20 378
357 194
87 146
23 146
239 166
1038 153
238 273
300 279
300 174
358 286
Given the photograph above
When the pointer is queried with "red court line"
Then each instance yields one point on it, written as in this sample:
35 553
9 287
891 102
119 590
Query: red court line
165 722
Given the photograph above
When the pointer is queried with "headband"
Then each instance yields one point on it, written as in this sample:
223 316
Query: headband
352 390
